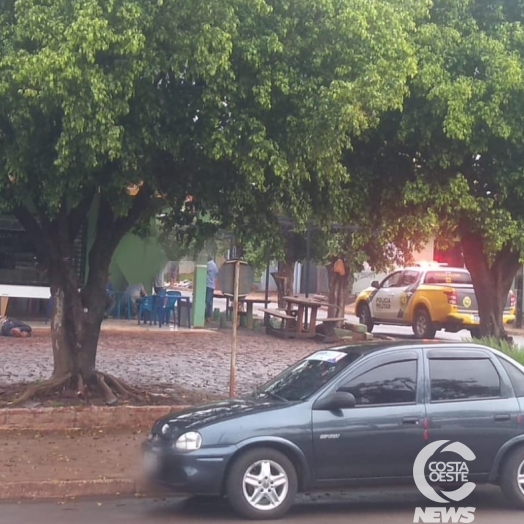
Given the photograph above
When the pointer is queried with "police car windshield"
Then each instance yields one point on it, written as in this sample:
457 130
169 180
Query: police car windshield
448 277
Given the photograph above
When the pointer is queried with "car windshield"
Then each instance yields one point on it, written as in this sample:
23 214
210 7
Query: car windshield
307 376
448 277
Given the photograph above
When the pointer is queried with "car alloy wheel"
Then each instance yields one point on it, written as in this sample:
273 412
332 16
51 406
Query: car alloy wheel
422 325
520 477
265 485
511 477
261 484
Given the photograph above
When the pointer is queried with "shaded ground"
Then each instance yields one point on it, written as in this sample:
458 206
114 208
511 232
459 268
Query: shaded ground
69 456
393 506
188 367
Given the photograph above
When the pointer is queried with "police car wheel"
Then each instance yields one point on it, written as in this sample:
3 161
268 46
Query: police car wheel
511 478
364 317
422 324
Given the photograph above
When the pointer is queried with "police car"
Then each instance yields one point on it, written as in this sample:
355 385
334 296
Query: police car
427 297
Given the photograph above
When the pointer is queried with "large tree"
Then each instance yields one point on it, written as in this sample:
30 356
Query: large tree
241 105
454 154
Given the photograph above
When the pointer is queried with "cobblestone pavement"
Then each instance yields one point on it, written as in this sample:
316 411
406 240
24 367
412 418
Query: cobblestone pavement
198 361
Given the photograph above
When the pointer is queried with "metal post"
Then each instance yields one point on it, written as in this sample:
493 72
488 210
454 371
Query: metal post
232 372
519 285
308 256
266 297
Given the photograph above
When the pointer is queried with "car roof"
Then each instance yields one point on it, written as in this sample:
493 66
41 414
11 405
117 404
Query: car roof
435 268
381 345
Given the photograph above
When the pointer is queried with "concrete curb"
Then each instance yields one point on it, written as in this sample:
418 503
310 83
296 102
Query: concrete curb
59 419
57 489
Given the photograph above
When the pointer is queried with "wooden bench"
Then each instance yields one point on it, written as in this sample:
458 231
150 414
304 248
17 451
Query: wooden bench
332 319
287 328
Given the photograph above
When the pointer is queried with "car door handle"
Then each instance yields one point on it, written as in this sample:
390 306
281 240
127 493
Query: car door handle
411 420
502 417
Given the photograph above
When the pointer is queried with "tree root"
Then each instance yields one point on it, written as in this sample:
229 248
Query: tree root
80 387
47 386
109 396
111 388
126 391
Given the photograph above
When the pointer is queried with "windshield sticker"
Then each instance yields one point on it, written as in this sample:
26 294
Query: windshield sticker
328 356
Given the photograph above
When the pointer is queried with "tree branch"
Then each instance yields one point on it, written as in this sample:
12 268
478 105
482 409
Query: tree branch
109 232
506 264
35 231
141 202
78 214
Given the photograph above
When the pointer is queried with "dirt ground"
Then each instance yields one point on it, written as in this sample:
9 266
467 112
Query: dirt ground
194 366
70 456
180 365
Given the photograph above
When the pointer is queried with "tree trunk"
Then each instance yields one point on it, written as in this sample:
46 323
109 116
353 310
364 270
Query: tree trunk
287 270
78 313
492 283
75 323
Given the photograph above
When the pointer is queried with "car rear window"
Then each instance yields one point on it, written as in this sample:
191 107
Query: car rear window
515 375
463 379
448 277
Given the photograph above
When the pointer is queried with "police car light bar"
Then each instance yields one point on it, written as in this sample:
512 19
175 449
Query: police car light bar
431 264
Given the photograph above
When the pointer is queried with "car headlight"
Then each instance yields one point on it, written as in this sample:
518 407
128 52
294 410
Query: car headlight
165 429
190 441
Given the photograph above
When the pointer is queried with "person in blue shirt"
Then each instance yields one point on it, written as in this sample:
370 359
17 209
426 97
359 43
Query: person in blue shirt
10 327
212 272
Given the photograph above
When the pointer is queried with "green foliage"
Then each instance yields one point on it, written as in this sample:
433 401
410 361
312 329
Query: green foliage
89 101
245 106
465 117
317 74
514 351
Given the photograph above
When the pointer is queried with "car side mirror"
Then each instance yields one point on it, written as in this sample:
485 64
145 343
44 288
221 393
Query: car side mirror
375 284
335 401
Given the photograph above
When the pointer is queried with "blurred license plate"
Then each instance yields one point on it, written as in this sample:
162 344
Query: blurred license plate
150 462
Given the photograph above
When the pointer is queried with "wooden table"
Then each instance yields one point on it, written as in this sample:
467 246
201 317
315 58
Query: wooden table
249 301
303 328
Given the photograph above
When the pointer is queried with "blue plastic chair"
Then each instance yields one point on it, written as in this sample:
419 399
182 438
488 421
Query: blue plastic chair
147 305
170 302
123 300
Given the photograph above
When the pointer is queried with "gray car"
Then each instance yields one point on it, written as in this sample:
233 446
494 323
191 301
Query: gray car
358 415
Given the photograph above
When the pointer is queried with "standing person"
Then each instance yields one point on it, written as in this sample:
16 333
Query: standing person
159 284
173 274
135 293
212 272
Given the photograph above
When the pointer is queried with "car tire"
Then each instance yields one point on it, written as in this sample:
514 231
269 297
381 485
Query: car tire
365 318
512 468
262 465
422 325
